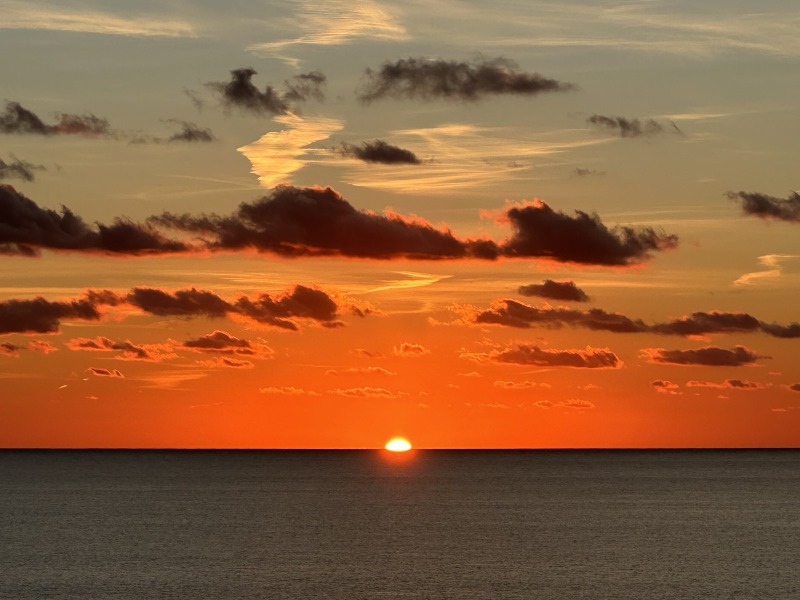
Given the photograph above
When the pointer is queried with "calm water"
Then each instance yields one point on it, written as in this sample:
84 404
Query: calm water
435 525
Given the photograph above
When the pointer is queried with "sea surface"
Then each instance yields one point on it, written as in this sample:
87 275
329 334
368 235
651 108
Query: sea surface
352 525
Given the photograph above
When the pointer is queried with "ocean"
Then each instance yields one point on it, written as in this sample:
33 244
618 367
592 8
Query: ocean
352 525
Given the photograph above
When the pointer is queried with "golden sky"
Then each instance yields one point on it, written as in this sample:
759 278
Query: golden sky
474 225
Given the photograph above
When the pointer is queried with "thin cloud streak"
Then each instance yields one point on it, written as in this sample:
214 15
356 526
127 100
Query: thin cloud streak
276 155
33 16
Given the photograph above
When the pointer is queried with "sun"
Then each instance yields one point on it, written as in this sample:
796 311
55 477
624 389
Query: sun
398 444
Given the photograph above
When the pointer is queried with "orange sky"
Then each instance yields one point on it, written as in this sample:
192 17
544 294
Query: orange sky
271 230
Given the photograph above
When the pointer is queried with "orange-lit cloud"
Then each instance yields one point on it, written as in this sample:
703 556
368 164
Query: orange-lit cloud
526 354
709 356
100 372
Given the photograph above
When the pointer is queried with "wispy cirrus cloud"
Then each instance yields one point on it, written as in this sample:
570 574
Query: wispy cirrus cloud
336 22
276 155
772 270
39 16
466 156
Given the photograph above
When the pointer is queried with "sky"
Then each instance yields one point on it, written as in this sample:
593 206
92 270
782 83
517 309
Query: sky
309 224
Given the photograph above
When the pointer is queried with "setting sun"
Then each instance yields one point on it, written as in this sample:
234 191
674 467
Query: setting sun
398 444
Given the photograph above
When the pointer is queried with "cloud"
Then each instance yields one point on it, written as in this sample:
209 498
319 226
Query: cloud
36 16
525 354
25 228
378 151
18 168
795 387
190 133
666 387
241 93
100 372
364 392
513 313
730 384
361 371
304 86
226 361
320 222
518 314
773 270
633 128
300 302
556 290
220 341
287 391
278 154
709 356
9 349
540 231
519 385
769 207
19 120
427 79
42 316
128 350
407 350
336 22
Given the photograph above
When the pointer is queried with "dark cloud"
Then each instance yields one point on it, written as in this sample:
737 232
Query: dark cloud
25 228
518 314
710 356
320 222
701 323
128 350
524 354
556 290
300 302
304 86
18 168
220 341
182 303
100 372
9 349
42 316
512 313
540 231
632 128
769 207
426 79
190 133
795 387
666 387
19 120
241 93
379 151
731 384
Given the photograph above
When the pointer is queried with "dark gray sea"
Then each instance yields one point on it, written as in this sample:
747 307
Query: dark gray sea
351 525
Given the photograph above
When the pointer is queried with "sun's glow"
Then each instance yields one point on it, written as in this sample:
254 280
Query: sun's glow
398 444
